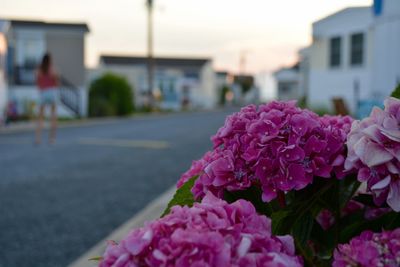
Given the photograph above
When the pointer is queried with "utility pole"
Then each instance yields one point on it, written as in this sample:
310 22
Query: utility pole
150 59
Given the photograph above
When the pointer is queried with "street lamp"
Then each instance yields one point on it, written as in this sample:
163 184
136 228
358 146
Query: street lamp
150 59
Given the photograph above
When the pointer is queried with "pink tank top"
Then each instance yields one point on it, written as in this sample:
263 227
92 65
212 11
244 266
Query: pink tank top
46 81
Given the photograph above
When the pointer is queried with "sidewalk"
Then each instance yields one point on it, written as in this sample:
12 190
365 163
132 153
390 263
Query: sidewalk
152 211
28 126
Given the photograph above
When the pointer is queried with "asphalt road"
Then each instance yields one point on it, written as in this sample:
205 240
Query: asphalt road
57 201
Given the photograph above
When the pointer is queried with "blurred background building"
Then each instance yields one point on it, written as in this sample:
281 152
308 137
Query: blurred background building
354 55
27 41
179 81
288 83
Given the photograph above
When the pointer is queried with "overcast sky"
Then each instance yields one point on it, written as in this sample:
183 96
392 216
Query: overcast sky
270 31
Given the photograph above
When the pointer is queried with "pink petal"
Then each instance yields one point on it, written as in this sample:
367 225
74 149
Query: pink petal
138 241
393 199
391 134
392 167
360 146
364 174
287 242
338 160
381 184
244 246
268 194
375 154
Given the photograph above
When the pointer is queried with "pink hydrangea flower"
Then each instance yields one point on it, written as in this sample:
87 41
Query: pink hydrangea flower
374 149
197 167
276 146
370 250
211 233
326 218
338 127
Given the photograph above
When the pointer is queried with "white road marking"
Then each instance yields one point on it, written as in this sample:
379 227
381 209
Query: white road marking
150 144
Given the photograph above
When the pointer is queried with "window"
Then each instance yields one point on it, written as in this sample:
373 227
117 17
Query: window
335 52
30 47
357 49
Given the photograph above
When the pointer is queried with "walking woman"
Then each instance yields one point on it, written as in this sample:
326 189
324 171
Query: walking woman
47 83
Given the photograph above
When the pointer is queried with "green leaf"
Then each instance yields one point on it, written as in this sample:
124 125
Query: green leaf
388 221
302 228
183 196
324 241
347 187
396 92
280 222
301 232
97 258
365 199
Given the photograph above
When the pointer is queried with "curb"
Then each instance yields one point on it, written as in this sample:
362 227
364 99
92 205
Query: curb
30 125
152 211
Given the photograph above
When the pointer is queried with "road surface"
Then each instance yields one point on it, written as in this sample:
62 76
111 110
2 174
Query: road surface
56 201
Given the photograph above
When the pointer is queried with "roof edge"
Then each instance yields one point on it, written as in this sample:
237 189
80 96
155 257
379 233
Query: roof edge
347 9
43 23
162 57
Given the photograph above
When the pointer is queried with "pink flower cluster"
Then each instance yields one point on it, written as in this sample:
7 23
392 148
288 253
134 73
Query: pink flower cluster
374 150
211 233
326 218
277 146
370 250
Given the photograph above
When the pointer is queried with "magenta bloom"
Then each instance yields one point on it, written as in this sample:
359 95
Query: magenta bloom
370 250
211 233
374 149
276 146
326 219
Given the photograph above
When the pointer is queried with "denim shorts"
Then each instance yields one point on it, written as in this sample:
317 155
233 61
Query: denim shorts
48 96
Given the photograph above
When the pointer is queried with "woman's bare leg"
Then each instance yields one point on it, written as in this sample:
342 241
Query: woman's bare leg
53 125
39 125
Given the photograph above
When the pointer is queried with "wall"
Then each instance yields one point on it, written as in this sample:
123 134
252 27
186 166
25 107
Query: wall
304 72
325 82
386 50
202 94
208 94
287 84
67 49
29 95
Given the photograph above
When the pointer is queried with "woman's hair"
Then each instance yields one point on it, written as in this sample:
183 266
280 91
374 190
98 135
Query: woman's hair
45 65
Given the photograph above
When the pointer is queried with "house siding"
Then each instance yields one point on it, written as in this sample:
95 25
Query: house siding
67 50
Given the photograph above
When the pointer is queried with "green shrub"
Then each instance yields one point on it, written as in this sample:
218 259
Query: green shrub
222 98
321 110
396 92
110 95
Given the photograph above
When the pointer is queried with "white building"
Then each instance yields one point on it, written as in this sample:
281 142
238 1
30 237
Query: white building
288 83
355 54
178 81
26 43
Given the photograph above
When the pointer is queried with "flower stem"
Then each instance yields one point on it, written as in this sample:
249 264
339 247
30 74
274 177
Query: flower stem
281 199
